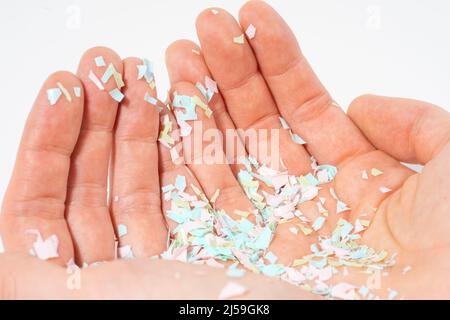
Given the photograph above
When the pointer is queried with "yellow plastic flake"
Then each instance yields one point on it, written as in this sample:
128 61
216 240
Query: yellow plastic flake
299 262
239 39
376 172
196 190
208 112
64 91
244 214
164 135
202 105
199 102
215 196
364 223
119 80
111 71
305 229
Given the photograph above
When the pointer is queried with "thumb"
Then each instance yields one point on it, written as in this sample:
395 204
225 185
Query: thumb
409 130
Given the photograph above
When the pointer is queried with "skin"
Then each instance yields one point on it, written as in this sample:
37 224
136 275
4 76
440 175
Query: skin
59 184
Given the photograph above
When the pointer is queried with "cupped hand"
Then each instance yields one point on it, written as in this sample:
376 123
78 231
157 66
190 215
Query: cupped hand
59 185
264 77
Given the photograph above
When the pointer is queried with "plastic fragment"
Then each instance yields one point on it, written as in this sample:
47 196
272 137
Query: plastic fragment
44 249
53 95
125 252
232 290
99 61
2 247
64 91
95 80
364 175
77 91
392 294
116 95
376 172
406 269
385 190
318 223
251 31
122 230
239 39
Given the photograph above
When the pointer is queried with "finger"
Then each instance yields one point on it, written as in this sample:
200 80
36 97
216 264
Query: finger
36 193
247 97
86 206
185 65
203 153
172 166
301 98
420 129
136 205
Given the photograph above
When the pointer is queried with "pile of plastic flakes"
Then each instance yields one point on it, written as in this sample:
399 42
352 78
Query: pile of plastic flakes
206 235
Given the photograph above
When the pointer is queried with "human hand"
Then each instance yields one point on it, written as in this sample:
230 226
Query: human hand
266 77
56 206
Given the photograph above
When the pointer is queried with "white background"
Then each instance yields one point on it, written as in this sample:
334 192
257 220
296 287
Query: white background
387 47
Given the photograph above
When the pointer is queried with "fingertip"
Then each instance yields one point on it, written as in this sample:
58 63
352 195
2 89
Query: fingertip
274 43
61 89
207 14
179 48
109 56
97 61
184 63
252 6
224 45
100 70
131 73
63 75
358 104
216 27
137 117
130 67
183 58
136 85
257 13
